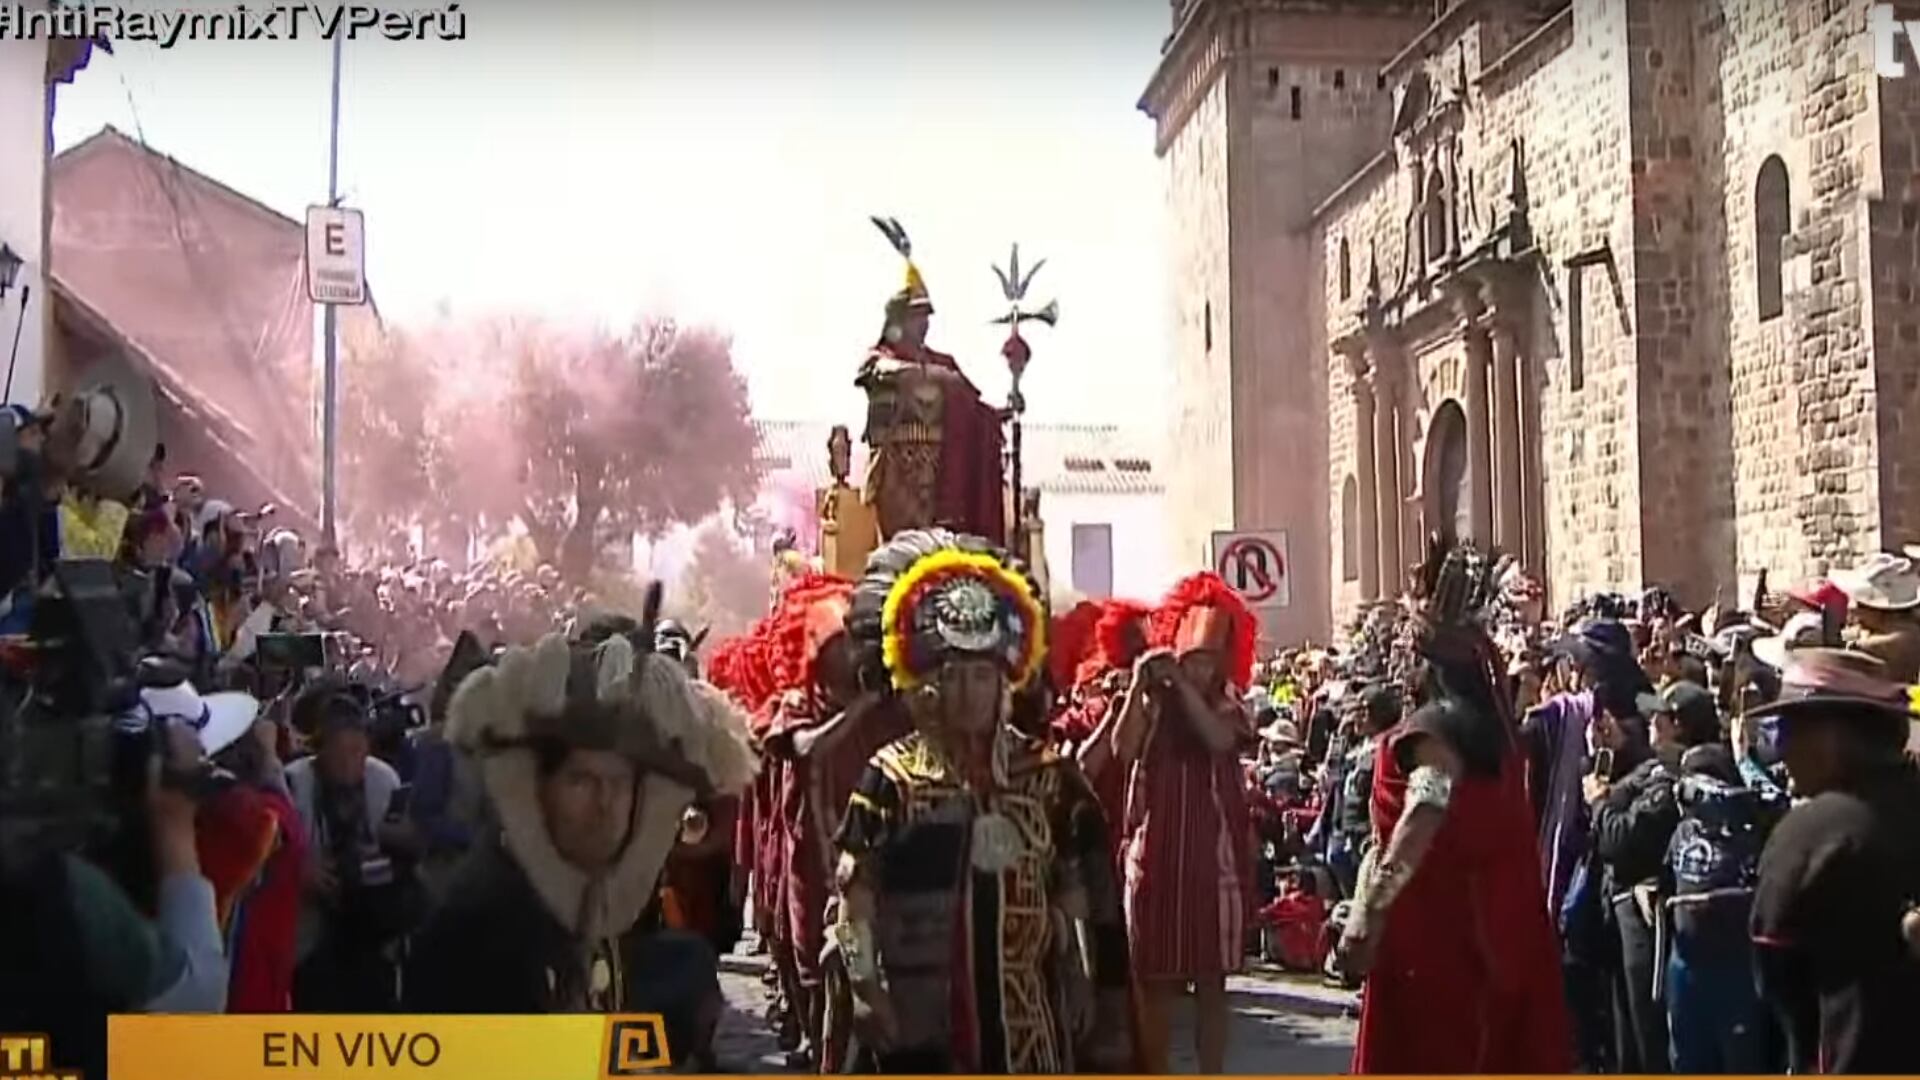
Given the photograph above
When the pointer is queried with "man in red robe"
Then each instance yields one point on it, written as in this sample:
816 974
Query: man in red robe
1188 840
936 445
1449 923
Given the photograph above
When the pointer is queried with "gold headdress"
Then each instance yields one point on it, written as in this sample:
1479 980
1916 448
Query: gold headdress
931 596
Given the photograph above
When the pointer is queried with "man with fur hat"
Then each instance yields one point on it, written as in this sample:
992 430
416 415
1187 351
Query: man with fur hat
979 924
1189 839
590 754
1841 871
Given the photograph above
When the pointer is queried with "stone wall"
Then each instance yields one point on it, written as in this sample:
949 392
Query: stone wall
1284 101
1558 93
1894 238
1200 423
1681 437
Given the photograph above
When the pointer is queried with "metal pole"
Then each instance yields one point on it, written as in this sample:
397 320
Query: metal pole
1019 496
330 379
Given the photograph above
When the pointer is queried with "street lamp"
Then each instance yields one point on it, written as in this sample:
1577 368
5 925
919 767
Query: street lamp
10 263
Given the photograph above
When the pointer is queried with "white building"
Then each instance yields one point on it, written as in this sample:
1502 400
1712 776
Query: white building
1101 498
31 66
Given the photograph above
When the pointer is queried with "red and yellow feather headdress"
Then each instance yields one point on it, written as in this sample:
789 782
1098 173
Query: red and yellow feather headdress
931 596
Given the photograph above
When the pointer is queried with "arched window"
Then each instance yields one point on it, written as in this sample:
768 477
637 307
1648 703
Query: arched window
1435 213
1350 531
1206 327
1772 213
1346 270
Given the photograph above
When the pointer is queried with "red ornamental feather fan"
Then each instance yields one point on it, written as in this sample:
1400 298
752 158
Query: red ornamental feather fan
1120 620
812 608
1208 591
1070 640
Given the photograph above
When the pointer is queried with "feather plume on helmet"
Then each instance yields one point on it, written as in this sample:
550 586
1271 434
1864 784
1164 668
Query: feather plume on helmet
930 596
607 691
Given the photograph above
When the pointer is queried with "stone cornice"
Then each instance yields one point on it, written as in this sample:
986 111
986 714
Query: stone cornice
1429 40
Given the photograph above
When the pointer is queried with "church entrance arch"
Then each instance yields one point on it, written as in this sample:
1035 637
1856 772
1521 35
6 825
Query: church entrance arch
1449 500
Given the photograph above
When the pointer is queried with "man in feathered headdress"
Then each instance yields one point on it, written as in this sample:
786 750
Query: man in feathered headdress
1188 845
590 752
1449 920
979 924
936 446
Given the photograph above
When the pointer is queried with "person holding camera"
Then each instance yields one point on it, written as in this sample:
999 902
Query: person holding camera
361 895
130 926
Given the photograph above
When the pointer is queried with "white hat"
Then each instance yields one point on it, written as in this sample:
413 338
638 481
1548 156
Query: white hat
1801 630
1885 583
217 719
1281 731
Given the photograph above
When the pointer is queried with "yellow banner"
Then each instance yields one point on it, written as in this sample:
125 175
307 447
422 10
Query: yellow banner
302 1047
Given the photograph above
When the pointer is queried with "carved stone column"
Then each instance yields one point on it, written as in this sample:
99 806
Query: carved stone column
1365 529
1479 435
1509 525
1389 492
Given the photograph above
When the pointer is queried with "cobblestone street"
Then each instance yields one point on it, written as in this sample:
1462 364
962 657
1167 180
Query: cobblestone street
1281 1025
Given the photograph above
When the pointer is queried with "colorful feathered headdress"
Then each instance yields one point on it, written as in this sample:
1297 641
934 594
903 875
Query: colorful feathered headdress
1203 611
930 596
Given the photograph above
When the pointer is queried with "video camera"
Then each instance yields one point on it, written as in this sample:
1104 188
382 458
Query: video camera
62 686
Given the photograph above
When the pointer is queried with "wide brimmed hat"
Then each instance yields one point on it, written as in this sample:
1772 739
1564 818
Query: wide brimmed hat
217 720
1282 732
120 425
1885 582
1802 630
1818 678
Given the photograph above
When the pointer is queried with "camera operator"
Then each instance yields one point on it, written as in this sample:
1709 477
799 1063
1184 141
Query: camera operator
133 927
362 895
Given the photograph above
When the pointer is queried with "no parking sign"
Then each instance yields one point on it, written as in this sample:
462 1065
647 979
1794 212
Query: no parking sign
1254 564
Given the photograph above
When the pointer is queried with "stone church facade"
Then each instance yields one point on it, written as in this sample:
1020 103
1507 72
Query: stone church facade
1625 286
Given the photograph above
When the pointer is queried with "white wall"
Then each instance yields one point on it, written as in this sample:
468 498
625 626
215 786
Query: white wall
23 165
1143 563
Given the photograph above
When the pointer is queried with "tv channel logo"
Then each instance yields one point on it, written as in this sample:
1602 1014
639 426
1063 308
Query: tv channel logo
636 1045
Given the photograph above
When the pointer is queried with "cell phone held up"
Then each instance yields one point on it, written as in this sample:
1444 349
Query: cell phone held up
1603 763
293 652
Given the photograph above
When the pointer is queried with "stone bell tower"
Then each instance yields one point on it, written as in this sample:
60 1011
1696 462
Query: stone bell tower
1263 109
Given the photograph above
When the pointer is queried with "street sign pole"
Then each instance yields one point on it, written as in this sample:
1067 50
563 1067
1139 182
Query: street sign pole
330 326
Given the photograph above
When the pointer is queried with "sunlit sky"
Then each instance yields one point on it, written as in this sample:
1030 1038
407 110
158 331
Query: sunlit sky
717 161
